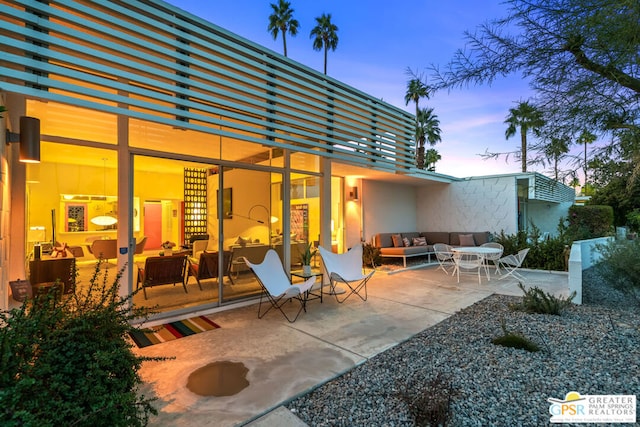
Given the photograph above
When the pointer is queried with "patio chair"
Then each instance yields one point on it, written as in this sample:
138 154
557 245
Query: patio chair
346 268
207 266
277 286
467 262
495 257
511 264
444 255
162 270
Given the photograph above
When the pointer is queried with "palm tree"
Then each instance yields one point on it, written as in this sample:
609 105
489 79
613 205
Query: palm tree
324 36
281 21
430 158
416 89
586 138
427 130
526 117
556 150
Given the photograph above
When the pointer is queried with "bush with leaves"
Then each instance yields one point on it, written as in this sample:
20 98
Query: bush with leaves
590 221
514 339
619 266
68 362
370 255
544 254
535 300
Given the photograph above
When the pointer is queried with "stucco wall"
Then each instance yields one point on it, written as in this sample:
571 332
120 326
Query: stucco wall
387 207
546 216
478 204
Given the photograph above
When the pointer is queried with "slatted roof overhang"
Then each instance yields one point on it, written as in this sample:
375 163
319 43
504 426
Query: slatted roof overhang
149 60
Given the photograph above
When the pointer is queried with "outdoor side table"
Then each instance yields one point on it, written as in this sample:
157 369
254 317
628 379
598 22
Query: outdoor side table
300 274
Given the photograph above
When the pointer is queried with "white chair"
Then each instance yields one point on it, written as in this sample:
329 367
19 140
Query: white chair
467 262
511 263
494 257
346 268
277 286
444 255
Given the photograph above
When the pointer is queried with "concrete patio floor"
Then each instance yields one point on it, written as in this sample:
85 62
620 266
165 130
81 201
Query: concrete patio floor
285 360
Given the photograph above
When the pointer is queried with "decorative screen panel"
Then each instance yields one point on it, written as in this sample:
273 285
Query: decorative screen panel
195 202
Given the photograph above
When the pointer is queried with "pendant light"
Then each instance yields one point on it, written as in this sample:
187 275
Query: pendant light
104 220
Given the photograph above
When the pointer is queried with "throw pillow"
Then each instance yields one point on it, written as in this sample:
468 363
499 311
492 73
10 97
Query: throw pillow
419 241
467 240
397 241
406 242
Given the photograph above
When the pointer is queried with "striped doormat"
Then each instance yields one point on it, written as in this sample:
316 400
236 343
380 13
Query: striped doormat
172 331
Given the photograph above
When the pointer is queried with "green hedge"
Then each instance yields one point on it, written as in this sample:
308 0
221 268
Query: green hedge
590 221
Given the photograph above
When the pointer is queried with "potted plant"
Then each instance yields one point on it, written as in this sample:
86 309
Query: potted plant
306 256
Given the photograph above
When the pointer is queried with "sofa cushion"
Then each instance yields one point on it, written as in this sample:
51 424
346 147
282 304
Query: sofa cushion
482 237
479 237
436 237
404 251
466 240
406 242
383 240
397 241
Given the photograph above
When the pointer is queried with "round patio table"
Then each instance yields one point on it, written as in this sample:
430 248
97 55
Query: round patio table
481 251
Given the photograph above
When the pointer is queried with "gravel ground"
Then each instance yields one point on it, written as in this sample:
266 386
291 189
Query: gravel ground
591 349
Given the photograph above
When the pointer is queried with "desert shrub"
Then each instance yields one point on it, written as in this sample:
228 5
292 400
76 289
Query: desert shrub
68 361
590 221
619 266
429 400
514 340
370 255
535 300
544 254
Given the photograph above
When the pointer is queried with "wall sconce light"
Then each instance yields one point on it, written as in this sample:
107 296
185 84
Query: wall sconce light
353 193
29 139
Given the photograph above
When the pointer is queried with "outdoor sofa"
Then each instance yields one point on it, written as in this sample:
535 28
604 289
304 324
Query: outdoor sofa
411 244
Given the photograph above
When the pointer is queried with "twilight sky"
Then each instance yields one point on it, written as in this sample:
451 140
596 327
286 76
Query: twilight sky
377 41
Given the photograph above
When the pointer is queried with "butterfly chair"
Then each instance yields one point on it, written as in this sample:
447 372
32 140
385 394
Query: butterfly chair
467 262
162 270
346 268
511 264
444 256
277 286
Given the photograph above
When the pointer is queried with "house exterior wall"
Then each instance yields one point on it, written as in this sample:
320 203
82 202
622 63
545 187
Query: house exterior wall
546 216
387 208
478 204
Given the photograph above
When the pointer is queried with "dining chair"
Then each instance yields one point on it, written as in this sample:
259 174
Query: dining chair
493 257
444 255
511 264
468 262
